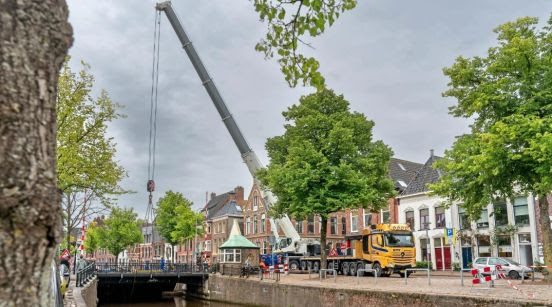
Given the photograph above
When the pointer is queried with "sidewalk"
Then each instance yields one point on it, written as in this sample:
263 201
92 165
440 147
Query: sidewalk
442 283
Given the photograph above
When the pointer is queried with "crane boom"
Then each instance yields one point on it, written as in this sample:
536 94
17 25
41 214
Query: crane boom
248 155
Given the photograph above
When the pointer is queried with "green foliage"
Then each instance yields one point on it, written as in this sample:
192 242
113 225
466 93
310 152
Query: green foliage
175 219
508 94
326 161
85 154
120 230
92 239
424 264
288 22
456 266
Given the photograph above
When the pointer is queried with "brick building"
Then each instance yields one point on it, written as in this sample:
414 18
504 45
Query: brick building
340 224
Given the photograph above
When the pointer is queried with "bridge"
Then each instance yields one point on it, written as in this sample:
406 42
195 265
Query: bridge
142 281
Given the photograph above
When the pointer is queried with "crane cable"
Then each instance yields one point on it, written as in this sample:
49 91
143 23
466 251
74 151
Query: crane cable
153 114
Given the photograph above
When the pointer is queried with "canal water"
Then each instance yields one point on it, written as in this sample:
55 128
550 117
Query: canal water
175 302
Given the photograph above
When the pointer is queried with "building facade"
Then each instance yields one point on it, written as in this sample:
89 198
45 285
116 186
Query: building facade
506 228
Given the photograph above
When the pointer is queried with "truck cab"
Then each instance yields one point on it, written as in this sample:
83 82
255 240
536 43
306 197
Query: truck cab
389 248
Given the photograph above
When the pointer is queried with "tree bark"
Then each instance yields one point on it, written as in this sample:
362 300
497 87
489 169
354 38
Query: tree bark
546 232
34 38
323 251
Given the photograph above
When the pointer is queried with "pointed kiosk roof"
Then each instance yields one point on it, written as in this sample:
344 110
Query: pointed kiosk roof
236 240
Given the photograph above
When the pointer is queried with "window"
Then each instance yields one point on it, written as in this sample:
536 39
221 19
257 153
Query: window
484 246
255 229
310 224
343 225
424 219
247 225
481 261
385 216
463 219
410 219
440 217
521 211
265 247
367 218
208 245
263 222
231 255
255 202
299 226
483 221
500 213
423 248
504 244
333 225
354 222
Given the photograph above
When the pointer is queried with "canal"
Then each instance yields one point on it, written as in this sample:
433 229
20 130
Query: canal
174 302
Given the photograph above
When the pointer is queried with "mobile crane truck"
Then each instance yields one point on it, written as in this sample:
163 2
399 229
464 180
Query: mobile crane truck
386 248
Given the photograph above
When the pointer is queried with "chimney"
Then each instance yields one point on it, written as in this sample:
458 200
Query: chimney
239 194
213 194
431 153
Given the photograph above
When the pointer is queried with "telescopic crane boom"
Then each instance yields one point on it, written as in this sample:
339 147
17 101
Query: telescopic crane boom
291 243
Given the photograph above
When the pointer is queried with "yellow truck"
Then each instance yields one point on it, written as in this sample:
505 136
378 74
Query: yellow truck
386 248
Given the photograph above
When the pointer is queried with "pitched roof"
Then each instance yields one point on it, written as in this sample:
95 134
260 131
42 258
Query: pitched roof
215 204
424 176
236 240
402 172
230 208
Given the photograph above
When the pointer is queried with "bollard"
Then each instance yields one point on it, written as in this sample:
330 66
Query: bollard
367 270
328 270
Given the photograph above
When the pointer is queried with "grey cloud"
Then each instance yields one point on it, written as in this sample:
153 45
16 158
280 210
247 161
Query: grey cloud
386 57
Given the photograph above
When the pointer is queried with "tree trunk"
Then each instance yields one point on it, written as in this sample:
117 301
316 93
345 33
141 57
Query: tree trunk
323 250
34 38
546 232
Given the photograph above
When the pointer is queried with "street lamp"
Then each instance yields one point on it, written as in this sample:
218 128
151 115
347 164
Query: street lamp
428 245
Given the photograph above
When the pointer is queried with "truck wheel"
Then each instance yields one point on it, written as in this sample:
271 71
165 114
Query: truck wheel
360 266
377 267
353 269
316 266
303 265
293 266
345 268
309 265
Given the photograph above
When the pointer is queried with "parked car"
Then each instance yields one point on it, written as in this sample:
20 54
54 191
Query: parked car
511 268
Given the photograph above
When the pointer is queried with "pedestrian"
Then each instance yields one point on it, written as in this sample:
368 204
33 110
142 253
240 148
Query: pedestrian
162 263
81 263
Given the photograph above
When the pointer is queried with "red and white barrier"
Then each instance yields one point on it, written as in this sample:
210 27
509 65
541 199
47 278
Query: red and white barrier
479 278
502 275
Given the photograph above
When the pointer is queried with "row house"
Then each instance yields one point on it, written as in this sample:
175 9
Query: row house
340 224
506 228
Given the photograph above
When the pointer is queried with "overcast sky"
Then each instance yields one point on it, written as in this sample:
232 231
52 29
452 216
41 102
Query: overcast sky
385 56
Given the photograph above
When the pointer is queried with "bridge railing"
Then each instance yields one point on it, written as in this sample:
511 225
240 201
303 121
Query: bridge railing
151 267
85 275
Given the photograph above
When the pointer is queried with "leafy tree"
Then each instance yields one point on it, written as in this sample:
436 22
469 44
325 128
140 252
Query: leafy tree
326 161
120 230
288 22
175 219
508 94
92 240
88 174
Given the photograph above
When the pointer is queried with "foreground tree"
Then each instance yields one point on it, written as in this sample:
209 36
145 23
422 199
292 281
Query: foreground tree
326 161
288 23
119 231
508 94
175 219
88 174
34 39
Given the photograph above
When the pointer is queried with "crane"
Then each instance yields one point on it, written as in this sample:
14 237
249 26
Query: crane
292 243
